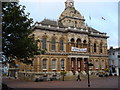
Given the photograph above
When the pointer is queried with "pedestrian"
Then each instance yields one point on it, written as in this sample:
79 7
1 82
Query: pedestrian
78 78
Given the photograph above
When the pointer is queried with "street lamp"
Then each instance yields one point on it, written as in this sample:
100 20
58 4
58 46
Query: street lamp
87 70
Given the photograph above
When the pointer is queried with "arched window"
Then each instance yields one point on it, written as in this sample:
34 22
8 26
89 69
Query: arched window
44 43
103 64
95 47
100 47
54 64
44 64
84 44
96 64
78 42
72 42
75 23
62 64
53 43
61 45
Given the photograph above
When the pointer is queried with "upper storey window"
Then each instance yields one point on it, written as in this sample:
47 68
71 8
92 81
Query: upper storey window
78 43
72 42
53 44
95 49
100 47
75 23
44 41
61 45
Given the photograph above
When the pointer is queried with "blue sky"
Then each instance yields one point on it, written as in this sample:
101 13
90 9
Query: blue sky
109 10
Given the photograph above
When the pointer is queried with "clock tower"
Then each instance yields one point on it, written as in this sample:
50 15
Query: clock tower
70 17
69 3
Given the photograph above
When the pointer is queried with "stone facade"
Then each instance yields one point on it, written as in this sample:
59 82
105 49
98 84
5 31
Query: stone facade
69 43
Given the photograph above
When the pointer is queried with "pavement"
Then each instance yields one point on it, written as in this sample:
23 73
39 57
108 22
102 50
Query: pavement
104 82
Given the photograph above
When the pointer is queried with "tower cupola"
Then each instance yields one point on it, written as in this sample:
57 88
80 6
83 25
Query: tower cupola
69 3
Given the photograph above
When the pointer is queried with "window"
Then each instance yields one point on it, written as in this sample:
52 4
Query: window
75 23
44 43
78 42
44 64
95 47
100 47
113 53
84 44
103 64
112 62
96 64
62 64
88 47
53 44
72 42
53 64
61 45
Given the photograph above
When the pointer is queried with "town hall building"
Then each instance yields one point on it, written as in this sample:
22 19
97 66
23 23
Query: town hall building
68 44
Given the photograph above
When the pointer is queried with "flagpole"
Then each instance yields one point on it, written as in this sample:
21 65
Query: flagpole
90 22
101 22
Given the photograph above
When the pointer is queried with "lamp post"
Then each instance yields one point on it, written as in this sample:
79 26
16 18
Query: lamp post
87 70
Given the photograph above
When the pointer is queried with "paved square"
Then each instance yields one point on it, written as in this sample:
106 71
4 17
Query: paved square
105 82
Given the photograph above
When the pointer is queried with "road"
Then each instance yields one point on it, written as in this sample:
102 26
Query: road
104 82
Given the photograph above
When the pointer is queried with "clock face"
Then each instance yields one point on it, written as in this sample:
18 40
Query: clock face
71 3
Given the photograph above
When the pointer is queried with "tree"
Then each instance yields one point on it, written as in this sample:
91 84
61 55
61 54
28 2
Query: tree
16 38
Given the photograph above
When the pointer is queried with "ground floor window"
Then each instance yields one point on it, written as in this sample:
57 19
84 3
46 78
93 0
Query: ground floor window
103 64
96 64
44 64
62 64
53 64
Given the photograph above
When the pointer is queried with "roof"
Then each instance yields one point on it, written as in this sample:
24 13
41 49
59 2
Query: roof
90 29
114 49
51 23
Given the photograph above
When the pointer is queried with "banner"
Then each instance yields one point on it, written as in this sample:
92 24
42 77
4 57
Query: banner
78 49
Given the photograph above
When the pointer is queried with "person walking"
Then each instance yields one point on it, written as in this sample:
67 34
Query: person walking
78 78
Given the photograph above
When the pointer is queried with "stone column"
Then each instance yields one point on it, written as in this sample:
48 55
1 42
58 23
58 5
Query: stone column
38 64
50 62
58 65
82 64
67 47
49 44
75 64
68 64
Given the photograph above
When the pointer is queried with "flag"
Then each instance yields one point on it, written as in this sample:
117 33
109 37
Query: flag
103 18
90 17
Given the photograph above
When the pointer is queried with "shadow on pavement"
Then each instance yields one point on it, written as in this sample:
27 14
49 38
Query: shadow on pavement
5 87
